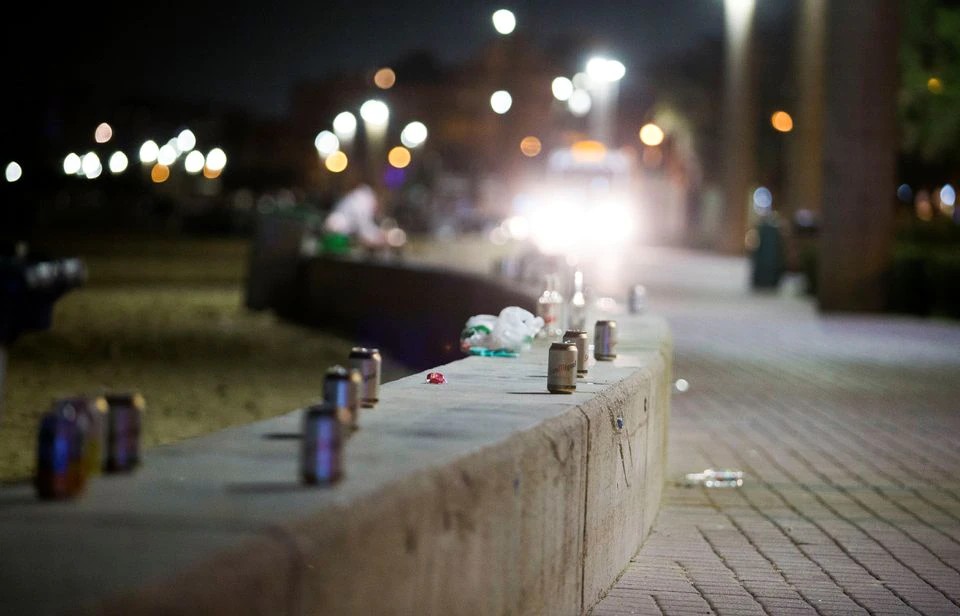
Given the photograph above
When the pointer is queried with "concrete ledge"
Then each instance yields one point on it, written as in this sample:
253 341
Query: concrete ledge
486 495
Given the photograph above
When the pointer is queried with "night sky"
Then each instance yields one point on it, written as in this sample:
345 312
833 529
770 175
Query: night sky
249 55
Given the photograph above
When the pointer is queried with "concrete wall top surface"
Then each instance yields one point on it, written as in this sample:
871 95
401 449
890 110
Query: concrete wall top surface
454 498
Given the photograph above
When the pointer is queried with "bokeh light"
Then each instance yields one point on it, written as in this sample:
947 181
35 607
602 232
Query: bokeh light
167 155
530 146
160 173
782 121
413 134
326 143
103 133
186 140
762 200
504 21
149 151
501 101
194 162
90 165
935 85
605 70
336 162
375 112
118 162
216 159
580 103
399 157
651 134
905 193
385 78
13 171
562 88
948 196
345 125
71 164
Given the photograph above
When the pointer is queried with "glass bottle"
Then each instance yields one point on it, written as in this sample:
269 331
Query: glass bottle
578 304
550 309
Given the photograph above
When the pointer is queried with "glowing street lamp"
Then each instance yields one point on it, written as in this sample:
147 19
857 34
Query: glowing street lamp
504 21
501 101
604 75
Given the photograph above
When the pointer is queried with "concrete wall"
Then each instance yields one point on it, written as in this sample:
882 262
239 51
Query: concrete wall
485 495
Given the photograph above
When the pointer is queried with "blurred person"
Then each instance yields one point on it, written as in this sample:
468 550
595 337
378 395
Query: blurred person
353 217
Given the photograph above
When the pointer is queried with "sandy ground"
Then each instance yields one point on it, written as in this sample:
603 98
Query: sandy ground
165 317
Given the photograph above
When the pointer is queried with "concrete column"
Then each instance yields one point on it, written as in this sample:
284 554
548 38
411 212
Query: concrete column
860 143
739 125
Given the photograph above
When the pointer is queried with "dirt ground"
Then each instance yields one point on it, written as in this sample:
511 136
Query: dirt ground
165 317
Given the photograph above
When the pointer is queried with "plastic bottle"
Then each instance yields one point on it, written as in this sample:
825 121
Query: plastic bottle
550 309
578 304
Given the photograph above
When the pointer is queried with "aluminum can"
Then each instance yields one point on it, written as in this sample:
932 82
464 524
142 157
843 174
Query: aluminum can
605 340
339 389
370 365
579 338
562 368
322 445
91 419
637 299
60 471
124 427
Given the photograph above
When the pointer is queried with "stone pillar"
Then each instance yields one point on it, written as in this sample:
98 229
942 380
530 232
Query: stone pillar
860 143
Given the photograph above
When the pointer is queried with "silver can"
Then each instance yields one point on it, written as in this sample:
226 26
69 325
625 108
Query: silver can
605 340
322 446
339 390
369 363
562 368
579 338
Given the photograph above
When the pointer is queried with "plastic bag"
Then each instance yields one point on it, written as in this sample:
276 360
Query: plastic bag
512 331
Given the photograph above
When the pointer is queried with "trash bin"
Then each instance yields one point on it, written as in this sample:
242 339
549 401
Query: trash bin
768 255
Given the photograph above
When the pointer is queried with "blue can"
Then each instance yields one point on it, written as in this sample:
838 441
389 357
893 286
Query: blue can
320 456
124 425
341 387
60 472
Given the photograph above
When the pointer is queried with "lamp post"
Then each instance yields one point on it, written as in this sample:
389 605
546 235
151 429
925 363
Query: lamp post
738 114
376 116
605 75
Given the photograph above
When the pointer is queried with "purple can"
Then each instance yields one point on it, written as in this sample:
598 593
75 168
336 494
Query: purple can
60 472
320 455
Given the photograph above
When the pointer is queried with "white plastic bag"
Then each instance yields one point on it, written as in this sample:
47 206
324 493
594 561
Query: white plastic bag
512 330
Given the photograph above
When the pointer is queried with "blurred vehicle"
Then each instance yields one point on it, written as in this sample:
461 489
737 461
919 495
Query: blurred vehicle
584 208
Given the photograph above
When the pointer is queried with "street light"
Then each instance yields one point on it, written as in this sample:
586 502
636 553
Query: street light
504 21
738 123
604 76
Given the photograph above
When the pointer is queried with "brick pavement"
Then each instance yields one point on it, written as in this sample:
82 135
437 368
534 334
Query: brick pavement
845 427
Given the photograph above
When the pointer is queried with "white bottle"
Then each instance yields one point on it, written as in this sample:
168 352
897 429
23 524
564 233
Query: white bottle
578 304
